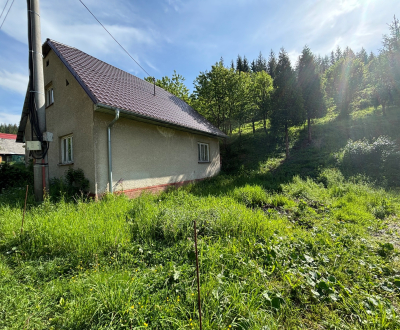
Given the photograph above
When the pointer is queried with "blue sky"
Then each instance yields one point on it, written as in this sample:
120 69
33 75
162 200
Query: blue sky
187 36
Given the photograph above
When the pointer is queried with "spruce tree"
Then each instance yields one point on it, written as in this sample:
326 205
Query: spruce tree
288 107
310 84
271 65
246 67
239 64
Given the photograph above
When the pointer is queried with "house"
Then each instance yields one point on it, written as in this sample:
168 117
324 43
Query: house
156 139
11 151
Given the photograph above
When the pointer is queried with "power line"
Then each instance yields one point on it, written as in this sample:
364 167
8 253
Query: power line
113 38
6 14
4 8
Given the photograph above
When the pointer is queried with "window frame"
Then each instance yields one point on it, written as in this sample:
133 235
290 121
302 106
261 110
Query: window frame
200 153
65 159
49 96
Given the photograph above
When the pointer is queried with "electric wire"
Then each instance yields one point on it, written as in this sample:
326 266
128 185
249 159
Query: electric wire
4 8
114 38
5 17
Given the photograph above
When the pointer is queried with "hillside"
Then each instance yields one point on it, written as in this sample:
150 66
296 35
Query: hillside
295 243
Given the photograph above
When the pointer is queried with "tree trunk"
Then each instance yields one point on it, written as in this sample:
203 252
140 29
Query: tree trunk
287 140
254 128
309 129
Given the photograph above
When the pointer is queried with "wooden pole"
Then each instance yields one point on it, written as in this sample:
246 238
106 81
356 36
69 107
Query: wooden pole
198 274
23 217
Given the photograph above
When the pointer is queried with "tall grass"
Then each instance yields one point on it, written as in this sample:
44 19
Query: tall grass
278 249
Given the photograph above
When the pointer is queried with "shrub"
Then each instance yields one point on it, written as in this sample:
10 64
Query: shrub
391 168
73 183
363 157
16 175
250 195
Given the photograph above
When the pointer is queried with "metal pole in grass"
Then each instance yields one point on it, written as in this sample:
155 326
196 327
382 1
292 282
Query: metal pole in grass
23 217
198 274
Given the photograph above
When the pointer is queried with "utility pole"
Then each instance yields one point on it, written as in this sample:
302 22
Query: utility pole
40 168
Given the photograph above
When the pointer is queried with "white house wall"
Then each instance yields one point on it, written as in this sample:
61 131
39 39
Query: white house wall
146 155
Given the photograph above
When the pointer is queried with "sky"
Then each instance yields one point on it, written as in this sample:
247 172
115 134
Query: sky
188 36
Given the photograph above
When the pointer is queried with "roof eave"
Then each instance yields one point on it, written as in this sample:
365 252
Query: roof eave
138 117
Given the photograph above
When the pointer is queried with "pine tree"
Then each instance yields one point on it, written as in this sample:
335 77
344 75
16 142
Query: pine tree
239 64
363 56
271 65
246 67
333 59
338 54
310 84
288 104
391 49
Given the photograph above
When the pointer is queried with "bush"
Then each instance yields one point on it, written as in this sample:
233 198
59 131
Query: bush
73 183
391 169
16 175
377 159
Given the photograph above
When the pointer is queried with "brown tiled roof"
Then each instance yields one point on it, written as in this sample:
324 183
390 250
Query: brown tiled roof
108 85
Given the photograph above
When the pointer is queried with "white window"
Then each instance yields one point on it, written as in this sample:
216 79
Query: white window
49 96
204 152
67 155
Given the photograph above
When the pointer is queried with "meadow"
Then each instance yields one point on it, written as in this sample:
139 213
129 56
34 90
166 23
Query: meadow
283 244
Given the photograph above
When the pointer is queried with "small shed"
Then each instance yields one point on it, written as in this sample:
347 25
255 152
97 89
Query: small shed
11 151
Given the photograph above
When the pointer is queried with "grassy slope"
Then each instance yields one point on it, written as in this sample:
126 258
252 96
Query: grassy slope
276 249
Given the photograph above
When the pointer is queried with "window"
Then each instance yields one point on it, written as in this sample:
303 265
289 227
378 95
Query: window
67 155
49 96
204 153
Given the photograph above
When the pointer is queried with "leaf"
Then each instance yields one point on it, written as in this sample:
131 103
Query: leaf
192 255
323 285
176 274
308 258
315 293
277 302
266 296
332 279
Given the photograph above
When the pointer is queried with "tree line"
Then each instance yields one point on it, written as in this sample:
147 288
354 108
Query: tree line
288 94
9 128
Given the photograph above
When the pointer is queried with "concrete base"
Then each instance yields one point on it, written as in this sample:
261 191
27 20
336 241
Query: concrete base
40 180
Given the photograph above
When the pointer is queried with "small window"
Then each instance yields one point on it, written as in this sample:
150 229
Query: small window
49 96
67 155
203 152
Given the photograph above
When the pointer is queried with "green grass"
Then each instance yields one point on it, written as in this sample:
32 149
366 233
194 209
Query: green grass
279 247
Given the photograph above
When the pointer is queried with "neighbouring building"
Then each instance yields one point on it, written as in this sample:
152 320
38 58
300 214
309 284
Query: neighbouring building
158 140
11 151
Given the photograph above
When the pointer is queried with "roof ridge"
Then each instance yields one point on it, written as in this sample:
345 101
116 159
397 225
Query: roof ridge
109 85
145 81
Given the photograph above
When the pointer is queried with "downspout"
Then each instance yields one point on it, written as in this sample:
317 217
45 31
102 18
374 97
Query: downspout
110 185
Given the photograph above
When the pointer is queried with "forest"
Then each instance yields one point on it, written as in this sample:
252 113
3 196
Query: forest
284 94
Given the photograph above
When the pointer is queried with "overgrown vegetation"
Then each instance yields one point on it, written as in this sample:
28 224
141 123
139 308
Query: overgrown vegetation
282 244
15 175
310 241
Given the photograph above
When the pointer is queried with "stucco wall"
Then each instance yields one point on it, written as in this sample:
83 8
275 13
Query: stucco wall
146 155
71 113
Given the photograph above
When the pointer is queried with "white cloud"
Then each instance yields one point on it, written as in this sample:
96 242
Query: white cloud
7 118
13 81
69 22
